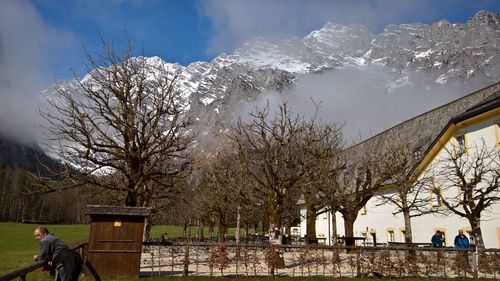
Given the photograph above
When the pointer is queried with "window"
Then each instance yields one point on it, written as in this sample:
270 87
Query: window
460 140
402 232
374 238
370 237
391 237
417 152
363 210
460 143
468 232
498 235
365 235
497 132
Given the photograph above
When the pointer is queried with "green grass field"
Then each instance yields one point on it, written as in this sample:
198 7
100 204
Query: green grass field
17 244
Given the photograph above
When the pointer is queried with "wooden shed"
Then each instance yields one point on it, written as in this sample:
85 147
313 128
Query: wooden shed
115 241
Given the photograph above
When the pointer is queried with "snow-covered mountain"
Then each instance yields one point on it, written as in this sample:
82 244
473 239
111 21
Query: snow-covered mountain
444 51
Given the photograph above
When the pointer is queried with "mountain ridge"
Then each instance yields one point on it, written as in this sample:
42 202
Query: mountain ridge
446 52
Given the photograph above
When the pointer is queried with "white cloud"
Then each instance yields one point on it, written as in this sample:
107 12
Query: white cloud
27 48
361 99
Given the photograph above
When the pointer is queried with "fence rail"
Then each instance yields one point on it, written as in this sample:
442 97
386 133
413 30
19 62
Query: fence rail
256 259
202 259
23 271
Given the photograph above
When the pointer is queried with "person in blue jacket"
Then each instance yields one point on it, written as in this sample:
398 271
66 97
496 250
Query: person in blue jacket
461 241
437 239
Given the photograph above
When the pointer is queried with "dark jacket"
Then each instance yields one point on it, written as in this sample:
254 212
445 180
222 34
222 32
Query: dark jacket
52 249
437 241
72 263
462 242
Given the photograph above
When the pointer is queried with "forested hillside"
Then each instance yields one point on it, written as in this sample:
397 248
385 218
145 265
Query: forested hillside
21 165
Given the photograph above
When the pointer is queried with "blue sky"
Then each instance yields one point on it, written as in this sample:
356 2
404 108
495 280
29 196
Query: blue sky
184 31
41 40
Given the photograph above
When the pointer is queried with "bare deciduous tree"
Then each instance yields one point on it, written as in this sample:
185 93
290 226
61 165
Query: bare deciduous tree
403 190
123 126
330 191
358 182
322 145
466 181
225 190
271 151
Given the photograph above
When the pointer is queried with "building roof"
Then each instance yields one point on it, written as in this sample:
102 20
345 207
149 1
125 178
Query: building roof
117 211
421 132
488 104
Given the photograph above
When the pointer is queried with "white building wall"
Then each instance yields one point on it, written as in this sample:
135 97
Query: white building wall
379 220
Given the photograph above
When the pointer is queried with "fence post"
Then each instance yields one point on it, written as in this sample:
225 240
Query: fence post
173 260
358 263
186 260
475 264
237 258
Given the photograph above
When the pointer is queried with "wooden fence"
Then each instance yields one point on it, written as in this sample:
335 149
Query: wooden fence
22 272
219 259
196 259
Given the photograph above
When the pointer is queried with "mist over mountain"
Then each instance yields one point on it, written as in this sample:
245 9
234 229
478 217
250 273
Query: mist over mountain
366 81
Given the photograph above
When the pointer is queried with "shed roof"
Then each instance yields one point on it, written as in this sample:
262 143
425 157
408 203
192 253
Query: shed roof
117 211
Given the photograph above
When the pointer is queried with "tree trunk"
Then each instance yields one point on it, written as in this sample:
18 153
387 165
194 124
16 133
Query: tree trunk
349 219
147 229
408 231
222 230
238 224
202 232
288 229
197 229
4 185
334 227
131 200
476 231
19 207
311 225
211 230
275 222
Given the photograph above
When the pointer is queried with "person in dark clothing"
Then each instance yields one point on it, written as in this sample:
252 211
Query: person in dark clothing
461 241
55 254
437 239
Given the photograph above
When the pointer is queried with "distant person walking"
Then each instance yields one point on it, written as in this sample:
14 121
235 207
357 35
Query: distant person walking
461 241
55 254
437 239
